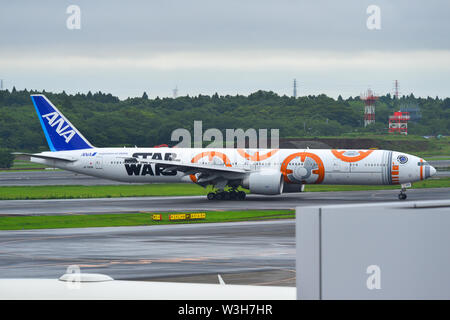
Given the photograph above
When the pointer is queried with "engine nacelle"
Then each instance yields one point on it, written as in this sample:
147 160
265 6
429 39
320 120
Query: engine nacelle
293 187
268 182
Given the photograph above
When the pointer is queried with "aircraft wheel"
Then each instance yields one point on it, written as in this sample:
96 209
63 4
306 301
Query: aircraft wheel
402 196
241 195
218 196
211 196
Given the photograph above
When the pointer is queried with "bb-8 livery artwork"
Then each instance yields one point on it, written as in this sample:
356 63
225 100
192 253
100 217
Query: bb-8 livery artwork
320 166
303 168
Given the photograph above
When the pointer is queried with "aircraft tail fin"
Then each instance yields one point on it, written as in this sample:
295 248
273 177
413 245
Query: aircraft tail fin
61 135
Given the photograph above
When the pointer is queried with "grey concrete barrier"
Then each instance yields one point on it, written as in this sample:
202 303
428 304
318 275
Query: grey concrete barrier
374 251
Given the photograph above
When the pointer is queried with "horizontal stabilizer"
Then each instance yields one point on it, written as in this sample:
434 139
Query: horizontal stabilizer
46 156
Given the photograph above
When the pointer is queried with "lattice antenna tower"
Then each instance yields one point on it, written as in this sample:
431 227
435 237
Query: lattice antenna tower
369 99
396 89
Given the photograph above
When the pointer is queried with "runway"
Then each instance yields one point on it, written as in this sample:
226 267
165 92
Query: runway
243 253
200 203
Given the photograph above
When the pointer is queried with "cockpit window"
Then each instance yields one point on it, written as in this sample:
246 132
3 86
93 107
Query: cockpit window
420 164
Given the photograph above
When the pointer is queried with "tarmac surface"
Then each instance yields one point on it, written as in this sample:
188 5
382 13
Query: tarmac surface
259 253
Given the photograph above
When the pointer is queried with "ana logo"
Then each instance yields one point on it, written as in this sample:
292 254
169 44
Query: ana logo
64 131
88 154
402 159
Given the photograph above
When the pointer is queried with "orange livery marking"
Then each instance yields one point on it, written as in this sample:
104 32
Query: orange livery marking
346 157
210 155
320 171
395 173
256 156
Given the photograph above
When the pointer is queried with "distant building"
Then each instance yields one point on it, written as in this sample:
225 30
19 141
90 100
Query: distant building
398 122
413 110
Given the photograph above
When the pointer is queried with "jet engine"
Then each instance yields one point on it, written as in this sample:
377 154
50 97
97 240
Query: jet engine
268 182
293 187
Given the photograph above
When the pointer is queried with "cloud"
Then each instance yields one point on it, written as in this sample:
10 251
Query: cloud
231 46
226 25
237 59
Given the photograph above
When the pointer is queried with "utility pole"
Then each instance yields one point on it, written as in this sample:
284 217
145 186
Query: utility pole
295 88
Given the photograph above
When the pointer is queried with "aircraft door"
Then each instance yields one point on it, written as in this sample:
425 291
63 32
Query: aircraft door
340 166
98 162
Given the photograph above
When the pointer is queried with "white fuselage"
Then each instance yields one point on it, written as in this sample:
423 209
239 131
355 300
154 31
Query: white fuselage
298 166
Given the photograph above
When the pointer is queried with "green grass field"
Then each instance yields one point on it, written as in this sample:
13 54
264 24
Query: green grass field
108 191
78 192
132 219
24 165
437 158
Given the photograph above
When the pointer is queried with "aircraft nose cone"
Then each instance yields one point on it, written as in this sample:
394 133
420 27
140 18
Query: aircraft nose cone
432 171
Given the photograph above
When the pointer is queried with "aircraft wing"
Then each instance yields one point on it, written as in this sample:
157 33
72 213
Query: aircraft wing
204 173
184 167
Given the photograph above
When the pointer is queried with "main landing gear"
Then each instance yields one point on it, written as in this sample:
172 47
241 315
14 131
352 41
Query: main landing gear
226 195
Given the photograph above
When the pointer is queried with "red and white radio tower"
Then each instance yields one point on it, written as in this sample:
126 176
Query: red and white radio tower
369 107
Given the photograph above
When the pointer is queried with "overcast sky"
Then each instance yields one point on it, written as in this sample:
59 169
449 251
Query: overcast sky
229 47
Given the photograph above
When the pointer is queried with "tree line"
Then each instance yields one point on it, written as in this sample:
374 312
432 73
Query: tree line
105 120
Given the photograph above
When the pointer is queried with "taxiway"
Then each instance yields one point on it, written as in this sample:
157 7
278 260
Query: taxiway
200 203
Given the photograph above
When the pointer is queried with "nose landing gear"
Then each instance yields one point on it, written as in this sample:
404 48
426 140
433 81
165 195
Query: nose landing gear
402 194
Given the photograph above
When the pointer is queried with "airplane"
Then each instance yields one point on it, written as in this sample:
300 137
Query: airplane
261 171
